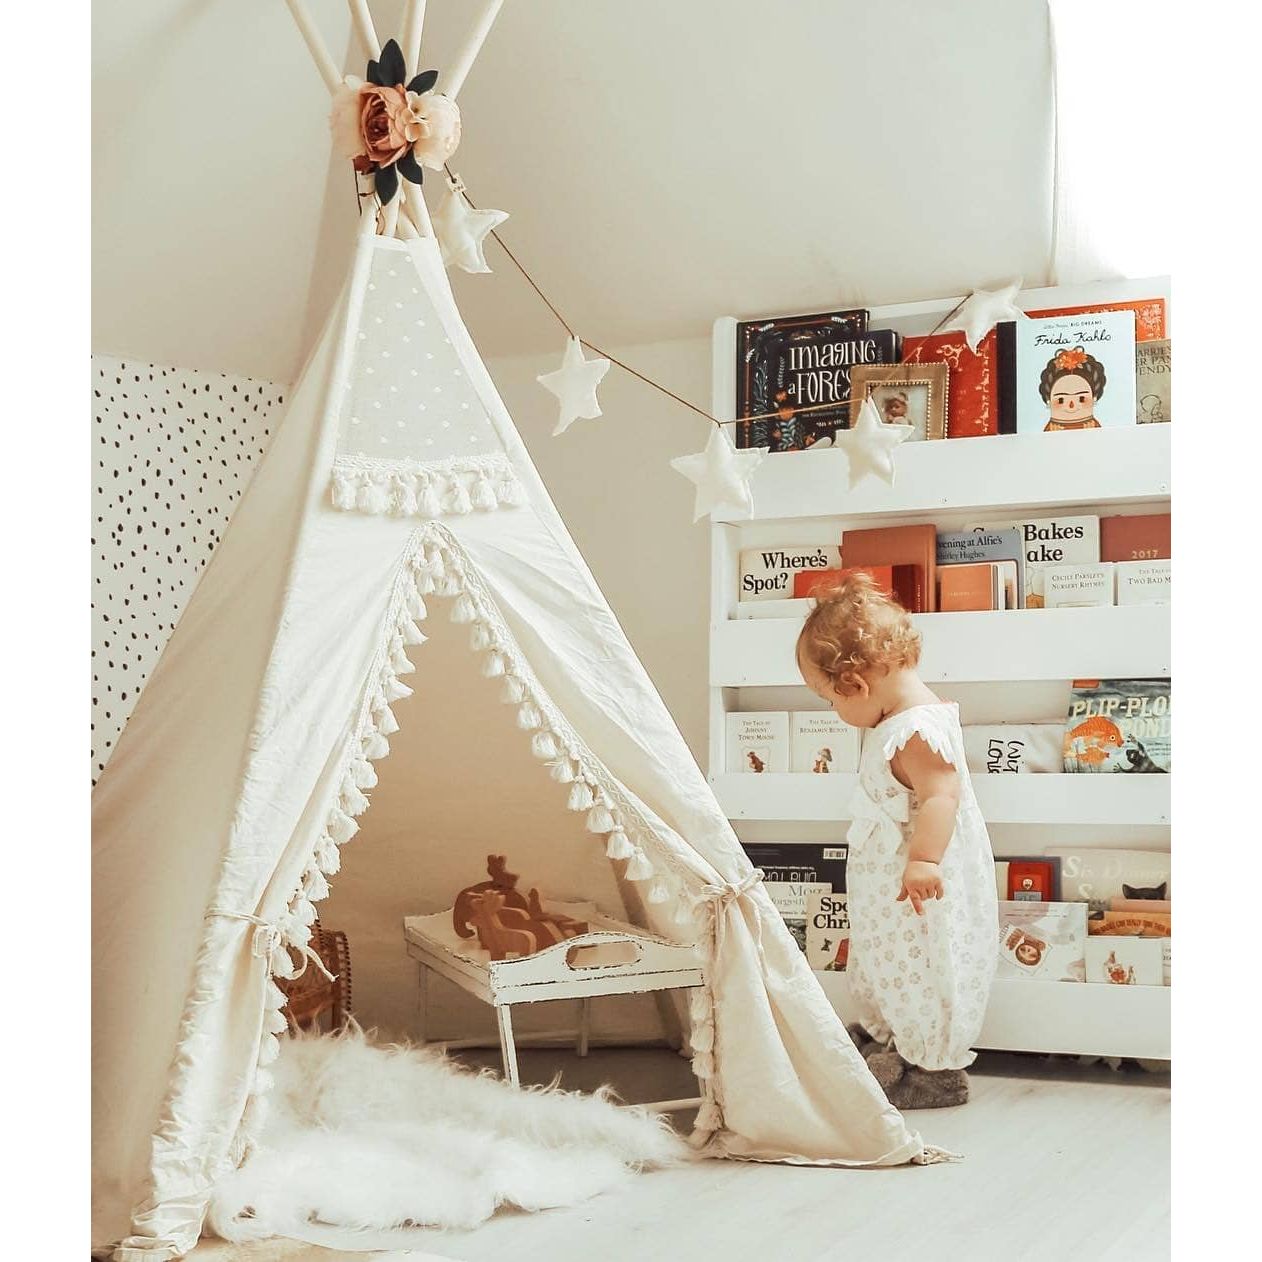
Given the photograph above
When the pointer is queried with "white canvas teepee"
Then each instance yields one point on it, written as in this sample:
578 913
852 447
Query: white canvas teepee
397 490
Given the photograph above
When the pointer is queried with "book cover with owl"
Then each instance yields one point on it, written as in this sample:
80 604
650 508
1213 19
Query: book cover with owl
1043 942
1118 726
1075 373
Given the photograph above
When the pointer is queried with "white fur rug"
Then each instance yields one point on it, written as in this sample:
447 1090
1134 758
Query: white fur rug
372 1138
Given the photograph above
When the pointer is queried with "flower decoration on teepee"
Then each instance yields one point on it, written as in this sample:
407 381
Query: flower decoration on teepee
391 126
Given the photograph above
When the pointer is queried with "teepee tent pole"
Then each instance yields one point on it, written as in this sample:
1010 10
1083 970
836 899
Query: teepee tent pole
463 60
410 35
315 45
364 27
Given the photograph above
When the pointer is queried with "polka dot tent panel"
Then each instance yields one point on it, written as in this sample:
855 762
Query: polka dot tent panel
407 394
172 451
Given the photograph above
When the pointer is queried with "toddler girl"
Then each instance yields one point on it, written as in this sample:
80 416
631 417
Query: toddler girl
920 878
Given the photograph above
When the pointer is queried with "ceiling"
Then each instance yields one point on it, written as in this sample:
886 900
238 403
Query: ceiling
664 163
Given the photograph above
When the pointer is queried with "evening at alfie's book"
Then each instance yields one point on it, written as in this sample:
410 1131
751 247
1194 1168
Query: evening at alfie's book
1075 372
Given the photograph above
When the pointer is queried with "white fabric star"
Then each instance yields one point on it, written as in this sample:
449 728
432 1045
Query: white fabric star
982 310
721 474
462 231
574 385
869 445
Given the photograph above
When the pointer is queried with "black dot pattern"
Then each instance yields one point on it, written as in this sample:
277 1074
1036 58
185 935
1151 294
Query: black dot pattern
173 449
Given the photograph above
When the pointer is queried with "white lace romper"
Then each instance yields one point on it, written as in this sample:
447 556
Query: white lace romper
921 980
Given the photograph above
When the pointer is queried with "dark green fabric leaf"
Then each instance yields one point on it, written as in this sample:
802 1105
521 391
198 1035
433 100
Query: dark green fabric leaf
393 71
374 74
423 81
410 169
387 182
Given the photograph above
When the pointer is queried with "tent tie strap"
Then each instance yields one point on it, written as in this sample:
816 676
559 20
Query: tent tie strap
721 897
269 938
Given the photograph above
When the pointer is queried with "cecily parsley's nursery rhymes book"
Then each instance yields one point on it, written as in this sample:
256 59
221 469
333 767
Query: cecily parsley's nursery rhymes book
1075 372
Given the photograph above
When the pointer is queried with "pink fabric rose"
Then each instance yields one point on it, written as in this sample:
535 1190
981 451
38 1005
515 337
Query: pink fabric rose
348 140
440 128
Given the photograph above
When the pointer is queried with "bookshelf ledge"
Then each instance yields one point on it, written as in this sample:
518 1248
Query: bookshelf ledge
1017 644
1009 472
1004 799
1069 1018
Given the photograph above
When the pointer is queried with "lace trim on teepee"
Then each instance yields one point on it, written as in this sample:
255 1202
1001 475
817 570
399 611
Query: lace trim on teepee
419 488
434 565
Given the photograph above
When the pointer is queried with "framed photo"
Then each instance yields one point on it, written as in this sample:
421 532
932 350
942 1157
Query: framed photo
904 394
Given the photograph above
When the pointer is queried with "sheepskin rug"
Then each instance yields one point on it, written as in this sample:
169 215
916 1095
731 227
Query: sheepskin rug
368 1138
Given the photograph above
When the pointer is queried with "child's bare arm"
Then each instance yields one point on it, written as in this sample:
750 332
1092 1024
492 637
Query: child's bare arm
937 787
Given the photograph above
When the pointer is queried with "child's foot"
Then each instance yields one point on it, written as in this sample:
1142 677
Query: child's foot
910 1087
863 1040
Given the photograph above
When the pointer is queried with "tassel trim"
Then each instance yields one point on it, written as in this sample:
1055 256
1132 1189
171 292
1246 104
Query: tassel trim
413 488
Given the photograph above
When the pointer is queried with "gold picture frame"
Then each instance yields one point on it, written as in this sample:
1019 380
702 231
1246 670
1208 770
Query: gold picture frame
910 394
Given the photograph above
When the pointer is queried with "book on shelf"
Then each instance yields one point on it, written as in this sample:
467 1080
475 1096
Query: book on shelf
1042 941
827 931
956 547
1014 748
1139 904
1050 541
1074 372
1033 880
1165 961
1149 315
910 550
1074 585
1143 537
888 578
1125 961
977 585
769 573
1001 879
1143 582
1131 924
757 741
820 742
1045 872
1096 877
1152 382
972 380
793 872
1118 725
790 362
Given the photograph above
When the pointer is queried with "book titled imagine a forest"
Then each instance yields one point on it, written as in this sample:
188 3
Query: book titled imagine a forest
793 362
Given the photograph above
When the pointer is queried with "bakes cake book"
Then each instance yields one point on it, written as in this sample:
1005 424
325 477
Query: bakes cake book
827 932
912 546
768 573
1118 726
1075 373
1152 382
791 362
821 743
1050 541
1043 942
1125 961
972 380
758 741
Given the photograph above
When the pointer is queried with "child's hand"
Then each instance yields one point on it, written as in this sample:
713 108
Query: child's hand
922 880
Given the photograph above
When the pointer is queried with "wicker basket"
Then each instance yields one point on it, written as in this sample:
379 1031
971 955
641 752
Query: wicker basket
312 996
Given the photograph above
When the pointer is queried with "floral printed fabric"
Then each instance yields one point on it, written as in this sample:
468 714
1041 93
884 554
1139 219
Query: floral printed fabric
922 981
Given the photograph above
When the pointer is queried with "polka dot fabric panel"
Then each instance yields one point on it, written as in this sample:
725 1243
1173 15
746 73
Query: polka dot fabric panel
172 451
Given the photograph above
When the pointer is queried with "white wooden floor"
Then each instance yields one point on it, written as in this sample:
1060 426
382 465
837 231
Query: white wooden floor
1062 1161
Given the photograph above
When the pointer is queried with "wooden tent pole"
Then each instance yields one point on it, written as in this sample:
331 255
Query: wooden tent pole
458 72
363 25
315 45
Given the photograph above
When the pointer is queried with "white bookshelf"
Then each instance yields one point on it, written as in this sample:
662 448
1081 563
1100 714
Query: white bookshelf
993 662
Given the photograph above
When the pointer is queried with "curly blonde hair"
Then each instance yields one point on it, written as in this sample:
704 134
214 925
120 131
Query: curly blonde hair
856 628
